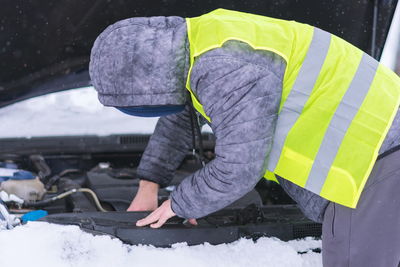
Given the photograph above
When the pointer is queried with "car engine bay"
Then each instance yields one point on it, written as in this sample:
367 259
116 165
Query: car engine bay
93 189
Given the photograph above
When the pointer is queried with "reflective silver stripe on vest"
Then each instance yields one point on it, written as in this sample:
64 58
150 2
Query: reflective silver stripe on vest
300 92
340 122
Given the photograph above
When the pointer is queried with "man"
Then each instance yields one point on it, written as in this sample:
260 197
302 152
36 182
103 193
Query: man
285 100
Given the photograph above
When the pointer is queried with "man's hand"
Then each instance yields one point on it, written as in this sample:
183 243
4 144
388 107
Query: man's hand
146 198
157 218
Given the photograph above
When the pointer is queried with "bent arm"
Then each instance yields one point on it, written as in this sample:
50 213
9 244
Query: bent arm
166 149
242 99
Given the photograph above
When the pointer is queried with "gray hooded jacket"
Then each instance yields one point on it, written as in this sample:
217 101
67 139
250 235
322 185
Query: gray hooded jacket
144 62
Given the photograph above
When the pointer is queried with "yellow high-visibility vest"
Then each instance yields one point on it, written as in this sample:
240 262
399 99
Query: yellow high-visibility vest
337 102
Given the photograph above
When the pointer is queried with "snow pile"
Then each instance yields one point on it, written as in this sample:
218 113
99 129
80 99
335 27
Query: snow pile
43 244
72 112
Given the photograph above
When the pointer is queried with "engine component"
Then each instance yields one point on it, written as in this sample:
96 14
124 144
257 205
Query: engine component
15 174
34 215
21 183
54 179
282 221
48 201
41 165
118 193
28 190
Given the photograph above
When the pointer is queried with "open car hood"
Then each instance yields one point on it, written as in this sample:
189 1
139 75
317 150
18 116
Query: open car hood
46 44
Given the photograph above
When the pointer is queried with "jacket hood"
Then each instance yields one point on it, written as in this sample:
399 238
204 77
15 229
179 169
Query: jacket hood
141 62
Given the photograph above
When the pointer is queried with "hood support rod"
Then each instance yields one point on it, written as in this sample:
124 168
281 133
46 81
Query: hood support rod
374 28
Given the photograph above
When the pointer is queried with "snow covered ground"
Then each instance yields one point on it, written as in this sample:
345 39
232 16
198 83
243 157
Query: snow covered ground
42 244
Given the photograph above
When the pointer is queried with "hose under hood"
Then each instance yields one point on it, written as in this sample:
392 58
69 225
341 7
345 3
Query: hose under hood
48 201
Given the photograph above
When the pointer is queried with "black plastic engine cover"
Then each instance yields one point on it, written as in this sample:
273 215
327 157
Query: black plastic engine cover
285 222
118 192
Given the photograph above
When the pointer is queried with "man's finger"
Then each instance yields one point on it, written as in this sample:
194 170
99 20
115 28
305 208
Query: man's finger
160 216
152 217
160 222
192 222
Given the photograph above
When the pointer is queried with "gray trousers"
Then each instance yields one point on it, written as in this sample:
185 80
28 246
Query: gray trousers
370 234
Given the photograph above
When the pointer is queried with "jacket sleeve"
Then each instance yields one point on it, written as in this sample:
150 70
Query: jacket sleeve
242 99
167 147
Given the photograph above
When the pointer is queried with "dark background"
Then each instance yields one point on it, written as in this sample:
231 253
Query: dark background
45 45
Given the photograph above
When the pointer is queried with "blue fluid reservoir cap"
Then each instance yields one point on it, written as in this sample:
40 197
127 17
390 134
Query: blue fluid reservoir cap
22 175
34 215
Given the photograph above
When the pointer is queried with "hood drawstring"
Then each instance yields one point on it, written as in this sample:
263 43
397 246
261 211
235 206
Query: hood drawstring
194 120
